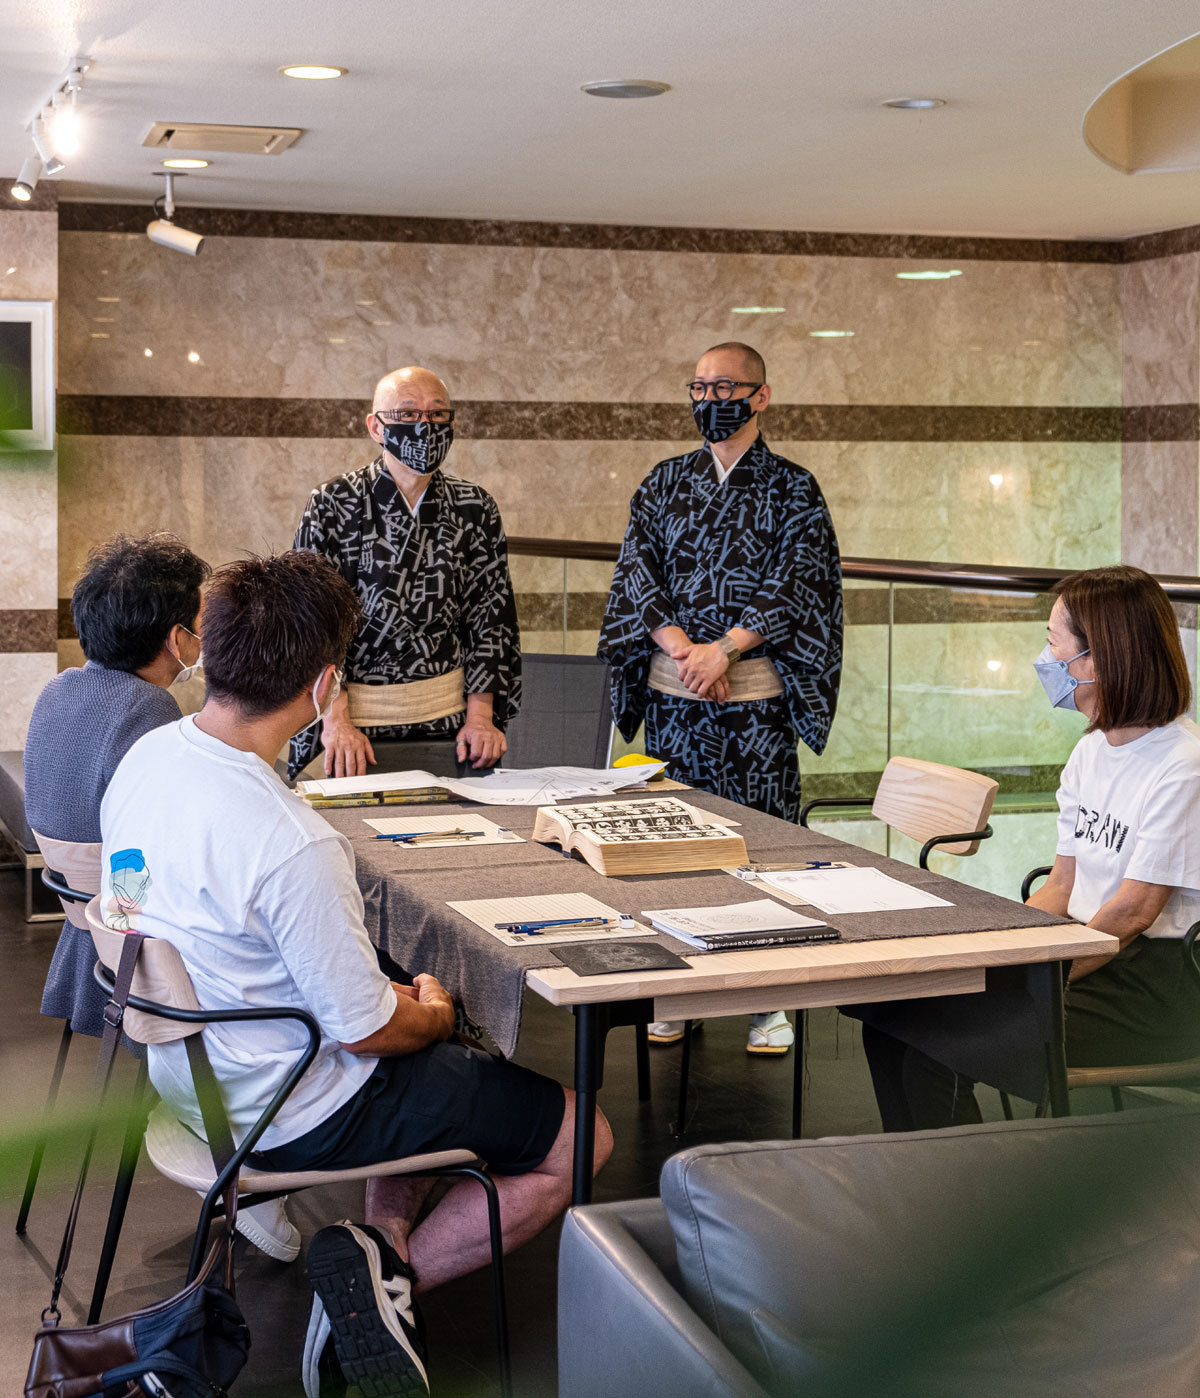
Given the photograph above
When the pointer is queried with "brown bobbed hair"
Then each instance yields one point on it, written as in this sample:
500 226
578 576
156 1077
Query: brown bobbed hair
271 625
1125 619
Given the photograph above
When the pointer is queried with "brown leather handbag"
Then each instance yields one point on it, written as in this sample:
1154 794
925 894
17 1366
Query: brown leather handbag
192 1345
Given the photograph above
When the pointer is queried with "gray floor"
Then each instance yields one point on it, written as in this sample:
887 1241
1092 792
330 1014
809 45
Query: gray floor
732 1096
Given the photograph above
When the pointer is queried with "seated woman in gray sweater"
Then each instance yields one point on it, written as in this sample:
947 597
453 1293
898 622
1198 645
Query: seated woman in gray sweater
137 612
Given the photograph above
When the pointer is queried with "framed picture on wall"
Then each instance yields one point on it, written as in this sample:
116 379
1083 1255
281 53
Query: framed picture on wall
26 375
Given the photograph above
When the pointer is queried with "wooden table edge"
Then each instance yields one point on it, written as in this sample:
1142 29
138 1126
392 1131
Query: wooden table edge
829 962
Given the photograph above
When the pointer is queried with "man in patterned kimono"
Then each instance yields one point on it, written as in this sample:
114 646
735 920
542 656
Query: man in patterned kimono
438 651
724 624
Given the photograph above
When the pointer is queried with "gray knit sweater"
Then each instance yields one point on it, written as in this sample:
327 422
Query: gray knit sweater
83 724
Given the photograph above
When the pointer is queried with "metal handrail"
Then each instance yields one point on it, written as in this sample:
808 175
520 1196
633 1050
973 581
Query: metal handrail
977 577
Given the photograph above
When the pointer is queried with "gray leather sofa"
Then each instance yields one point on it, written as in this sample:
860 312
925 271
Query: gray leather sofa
1046 1259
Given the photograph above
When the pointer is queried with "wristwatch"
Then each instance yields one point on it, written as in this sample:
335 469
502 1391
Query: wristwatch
727 645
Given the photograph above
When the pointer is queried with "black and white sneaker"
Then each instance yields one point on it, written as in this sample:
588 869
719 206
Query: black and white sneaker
364 1295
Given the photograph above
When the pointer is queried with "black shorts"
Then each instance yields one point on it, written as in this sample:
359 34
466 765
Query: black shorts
446 1097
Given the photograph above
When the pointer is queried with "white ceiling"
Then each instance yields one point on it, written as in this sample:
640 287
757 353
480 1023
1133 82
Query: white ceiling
472 108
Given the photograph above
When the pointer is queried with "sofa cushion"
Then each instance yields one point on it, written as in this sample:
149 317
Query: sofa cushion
1043 1258
12 800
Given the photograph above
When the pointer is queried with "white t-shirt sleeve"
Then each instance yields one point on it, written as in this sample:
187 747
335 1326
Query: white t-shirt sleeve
1068 803
312 907
1167 844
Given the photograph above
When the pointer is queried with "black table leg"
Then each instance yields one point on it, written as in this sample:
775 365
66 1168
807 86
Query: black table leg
798 1079
643 1062
1046 987
592 1023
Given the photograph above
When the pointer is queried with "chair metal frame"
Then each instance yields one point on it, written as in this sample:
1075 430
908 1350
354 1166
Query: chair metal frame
213 1110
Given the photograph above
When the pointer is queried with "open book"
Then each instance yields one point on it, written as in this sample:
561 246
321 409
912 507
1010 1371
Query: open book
659 836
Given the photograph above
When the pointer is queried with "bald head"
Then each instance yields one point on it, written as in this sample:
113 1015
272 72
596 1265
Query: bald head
412 387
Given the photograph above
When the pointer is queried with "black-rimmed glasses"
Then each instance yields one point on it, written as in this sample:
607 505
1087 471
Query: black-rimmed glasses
441 416
722 389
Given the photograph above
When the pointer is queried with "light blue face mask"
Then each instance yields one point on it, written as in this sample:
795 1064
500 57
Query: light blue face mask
1058 682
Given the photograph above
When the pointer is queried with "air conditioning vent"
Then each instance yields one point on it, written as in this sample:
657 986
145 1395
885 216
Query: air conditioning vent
238 140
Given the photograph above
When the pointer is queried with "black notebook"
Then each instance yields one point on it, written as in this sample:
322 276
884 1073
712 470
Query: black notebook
602 958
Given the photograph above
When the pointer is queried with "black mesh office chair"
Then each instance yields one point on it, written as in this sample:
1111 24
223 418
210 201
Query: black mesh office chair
565 718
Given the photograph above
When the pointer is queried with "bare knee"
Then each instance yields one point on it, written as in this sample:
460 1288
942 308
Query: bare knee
561 1156
604 1140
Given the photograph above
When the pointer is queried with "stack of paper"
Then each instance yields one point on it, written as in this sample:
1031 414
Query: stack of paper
536 786
488 912
475 830
761 922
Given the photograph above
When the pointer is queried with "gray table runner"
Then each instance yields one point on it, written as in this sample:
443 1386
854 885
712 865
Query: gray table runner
406 892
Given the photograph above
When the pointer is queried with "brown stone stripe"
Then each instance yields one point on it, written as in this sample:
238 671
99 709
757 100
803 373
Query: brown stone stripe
66 621
104 415
266 223
28 630
1170 242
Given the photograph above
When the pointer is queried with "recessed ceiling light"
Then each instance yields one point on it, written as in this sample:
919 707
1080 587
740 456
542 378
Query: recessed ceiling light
994 665
997 479
927 276
626 87
831 334
314 71
915 104
149 353
10 271
182 163
758 310
193 357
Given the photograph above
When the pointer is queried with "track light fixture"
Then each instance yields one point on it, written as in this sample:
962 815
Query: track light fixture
26 182
53 128
162 229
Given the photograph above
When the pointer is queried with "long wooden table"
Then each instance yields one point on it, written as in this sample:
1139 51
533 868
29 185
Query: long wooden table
407 892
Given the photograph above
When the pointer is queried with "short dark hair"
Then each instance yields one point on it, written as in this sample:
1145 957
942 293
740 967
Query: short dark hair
754 363
130 596
1125 619
271 625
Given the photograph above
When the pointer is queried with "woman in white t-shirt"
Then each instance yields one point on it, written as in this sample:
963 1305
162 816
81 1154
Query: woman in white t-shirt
1127 859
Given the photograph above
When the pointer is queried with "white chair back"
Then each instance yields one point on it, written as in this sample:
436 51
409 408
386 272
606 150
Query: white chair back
924 799
160 976
80 866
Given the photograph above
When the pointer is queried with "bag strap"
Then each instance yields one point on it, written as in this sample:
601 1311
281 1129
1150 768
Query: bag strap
114 1013
220 1138
164 1362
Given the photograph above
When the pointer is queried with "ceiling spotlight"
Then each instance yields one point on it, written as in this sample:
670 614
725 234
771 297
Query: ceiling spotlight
26 181
316 72
162 230
48 158
915 104
182 163
626 87
65 129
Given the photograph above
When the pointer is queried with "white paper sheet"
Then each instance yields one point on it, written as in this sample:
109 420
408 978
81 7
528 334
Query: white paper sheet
491 833
535 786
852 890
487 912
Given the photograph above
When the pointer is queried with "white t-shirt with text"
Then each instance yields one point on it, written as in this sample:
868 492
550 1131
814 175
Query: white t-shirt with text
1133 812
205 847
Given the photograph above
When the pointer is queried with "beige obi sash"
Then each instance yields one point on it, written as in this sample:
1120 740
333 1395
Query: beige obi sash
419 701
748 679
80 866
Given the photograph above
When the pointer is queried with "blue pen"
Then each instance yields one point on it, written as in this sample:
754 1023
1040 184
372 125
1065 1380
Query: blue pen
819 864
531 929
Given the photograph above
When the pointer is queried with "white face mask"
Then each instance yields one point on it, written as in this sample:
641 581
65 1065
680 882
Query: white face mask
187 672
331 698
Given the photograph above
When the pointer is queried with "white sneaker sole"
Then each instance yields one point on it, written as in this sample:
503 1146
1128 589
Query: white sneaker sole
283 1247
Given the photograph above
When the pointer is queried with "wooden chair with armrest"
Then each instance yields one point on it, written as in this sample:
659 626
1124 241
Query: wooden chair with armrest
946 808
163 1008
1182 1073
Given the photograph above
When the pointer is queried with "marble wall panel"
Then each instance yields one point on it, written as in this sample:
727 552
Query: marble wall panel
28 529
1057 504
22 679
29 256
312 318
1160 508
1160 321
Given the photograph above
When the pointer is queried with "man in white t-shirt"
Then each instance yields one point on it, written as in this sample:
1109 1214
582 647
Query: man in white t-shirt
205 847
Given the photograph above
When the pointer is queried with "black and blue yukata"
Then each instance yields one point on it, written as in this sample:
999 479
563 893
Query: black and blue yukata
757 551
434 586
